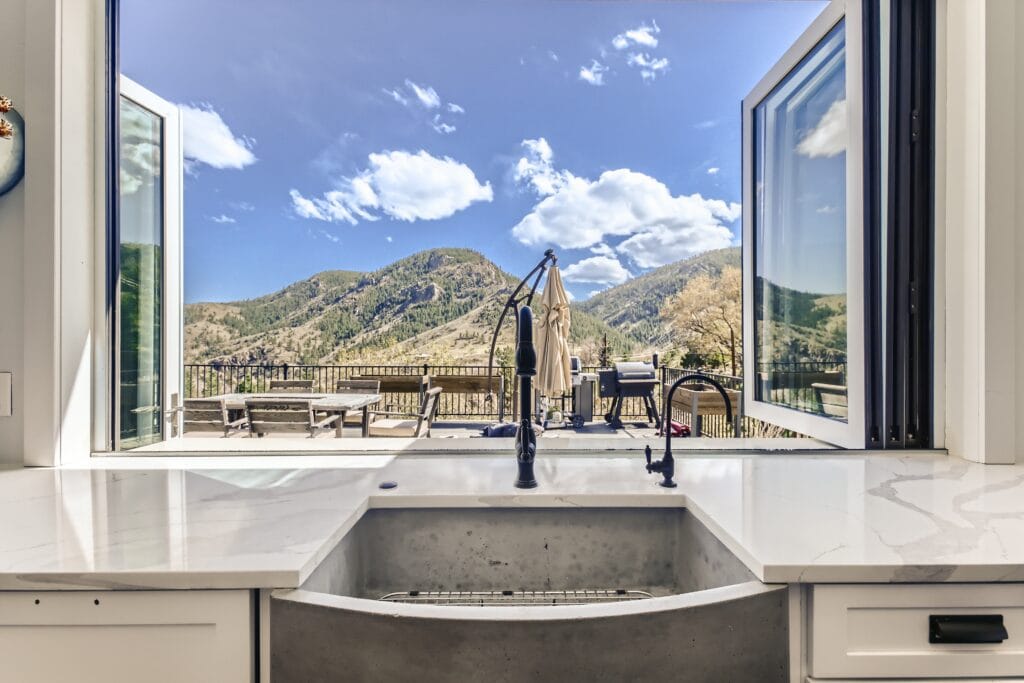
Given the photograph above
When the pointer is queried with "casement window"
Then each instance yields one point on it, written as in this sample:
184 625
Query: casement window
147 263
837 286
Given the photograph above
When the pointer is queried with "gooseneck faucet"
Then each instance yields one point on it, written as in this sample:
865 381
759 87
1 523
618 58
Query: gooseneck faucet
526 368
667 465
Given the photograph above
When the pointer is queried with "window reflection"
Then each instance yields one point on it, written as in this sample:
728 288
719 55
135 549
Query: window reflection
141 278
800 297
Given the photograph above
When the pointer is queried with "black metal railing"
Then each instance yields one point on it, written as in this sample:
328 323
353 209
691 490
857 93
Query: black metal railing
203 381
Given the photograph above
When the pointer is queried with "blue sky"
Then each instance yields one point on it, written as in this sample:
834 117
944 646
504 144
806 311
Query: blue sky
326 134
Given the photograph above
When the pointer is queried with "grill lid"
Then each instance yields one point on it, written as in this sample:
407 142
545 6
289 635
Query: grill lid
634 370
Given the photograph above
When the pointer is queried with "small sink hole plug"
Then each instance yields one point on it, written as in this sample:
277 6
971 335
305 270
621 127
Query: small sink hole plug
667 465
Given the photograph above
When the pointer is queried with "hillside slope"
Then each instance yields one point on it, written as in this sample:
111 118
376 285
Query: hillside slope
438 306
633 307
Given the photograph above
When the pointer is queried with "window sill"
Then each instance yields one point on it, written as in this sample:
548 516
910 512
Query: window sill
349 447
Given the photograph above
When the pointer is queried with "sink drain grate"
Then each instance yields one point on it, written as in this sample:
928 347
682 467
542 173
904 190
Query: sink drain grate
515 598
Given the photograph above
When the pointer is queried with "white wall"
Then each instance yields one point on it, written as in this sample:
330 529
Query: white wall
47 228
984 266
12 227
1018 220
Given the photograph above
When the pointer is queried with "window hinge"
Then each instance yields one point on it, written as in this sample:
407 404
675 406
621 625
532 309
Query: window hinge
915 125
894 434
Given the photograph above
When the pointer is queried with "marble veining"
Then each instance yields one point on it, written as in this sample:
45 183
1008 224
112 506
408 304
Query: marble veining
790 518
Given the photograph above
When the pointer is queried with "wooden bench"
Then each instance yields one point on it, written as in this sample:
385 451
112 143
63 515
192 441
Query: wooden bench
833 400
275 415
291 386
209 414
493 387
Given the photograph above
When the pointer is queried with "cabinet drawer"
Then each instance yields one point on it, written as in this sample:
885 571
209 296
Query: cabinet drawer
882 631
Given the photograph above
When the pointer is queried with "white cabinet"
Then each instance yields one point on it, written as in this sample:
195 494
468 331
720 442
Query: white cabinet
114 636
859 632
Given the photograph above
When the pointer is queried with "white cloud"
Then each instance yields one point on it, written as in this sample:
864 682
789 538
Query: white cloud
578 213
553 56
827 209
594 292
389 239
208 139
663 244
649 66
593 74
242 206
397 97
306 208
140 157
622 202
605 270
705 125
442 127
642 35
426 95
222 219
537 170
332 238
570 295
455 109
828 138
400 185
713 170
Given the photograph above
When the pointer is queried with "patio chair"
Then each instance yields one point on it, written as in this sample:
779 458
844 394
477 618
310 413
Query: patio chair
270 415
833 399
407 424
356 386
291 386
209 414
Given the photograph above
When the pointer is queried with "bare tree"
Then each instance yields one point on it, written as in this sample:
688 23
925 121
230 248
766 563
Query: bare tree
706 316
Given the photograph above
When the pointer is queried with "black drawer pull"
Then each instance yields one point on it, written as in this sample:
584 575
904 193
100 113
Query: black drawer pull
966 628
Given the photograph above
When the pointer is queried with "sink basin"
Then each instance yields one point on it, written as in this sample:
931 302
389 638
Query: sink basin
660 551
573 575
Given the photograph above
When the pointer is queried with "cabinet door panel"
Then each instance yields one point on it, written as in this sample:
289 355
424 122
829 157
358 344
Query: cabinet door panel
104 636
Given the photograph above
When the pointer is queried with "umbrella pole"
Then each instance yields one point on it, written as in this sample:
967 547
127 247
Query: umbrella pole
513 302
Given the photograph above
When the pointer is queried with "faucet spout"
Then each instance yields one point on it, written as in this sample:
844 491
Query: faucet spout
526 369
667 465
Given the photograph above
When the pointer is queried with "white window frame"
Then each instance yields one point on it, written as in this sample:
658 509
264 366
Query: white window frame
849 434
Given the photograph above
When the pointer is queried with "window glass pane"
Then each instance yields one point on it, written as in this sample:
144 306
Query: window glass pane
800 134
141 279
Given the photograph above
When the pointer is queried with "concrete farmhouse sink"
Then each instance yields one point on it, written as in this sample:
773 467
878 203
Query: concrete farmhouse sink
529 570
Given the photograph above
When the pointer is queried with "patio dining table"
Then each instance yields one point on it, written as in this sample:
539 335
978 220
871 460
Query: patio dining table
327 403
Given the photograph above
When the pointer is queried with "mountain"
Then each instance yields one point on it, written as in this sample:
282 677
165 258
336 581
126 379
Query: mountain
633 307
438 306
815 327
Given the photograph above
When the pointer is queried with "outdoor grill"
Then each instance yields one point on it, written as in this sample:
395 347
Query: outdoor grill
629 380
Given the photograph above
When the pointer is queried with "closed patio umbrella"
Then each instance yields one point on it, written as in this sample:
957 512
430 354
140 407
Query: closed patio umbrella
554 374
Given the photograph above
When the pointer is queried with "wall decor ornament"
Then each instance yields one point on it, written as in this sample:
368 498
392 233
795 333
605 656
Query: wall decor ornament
12 146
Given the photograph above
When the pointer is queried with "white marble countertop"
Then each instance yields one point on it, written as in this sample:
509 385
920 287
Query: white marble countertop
146 523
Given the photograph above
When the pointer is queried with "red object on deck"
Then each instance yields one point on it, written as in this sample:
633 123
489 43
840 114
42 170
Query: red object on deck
678 429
